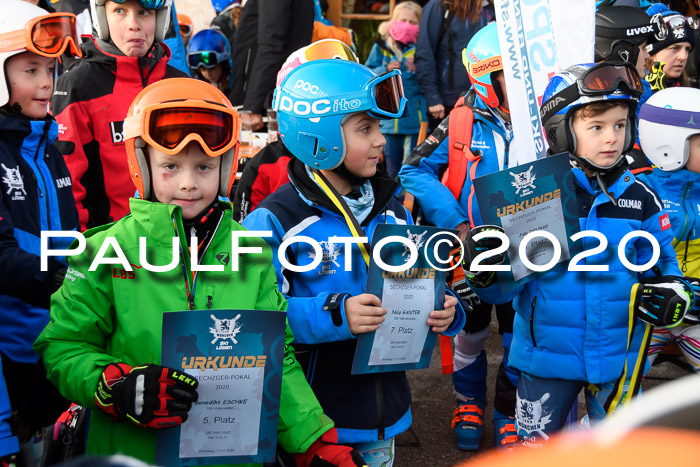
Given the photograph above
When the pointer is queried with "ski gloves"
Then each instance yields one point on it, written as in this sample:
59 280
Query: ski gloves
667 301
326 452
656 76
151 396
474 247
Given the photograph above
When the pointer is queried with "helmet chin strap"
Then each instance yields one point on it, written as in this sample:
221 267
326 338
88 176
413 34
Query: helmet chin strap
605 176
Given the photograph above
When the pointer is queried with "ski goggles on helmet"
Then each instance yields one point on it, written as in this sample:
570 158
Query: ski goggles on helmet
382 97
329 50
48 36
169 127
205 58
147 4
600 80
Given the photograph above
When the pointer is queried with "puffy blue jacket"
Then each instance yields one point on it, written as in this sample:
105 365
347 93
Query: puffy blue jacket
491 137
379 58
574 325
326 348
680 193
36 196
432 54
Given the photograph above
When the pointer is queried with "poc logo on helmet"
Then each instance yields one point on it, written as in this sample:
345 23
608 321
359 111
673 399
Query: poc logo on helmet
303 108
308 87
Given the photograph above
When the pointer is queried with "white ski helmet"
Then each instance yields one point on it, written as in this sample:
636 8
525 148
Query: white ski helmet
22 12
162 7
666 122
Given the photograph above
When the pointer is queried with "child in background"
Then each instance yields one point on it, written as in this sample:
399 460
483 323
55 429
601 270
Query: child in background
669 130
336 153
571 328
395 49
209 58
102 346
668 56
186 27
35 196
453 205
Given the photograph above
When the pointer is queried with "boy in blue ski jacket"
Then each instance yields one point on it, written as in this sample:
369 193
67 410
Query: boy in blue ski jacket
456 207
35 197
336 154
571 328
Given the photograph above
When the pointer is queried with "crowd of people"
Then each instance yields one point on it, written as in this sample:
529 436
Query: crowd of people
132 132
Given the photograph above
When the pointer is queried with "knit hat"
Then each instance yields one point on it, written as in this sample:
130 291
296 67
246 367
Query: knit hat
677 26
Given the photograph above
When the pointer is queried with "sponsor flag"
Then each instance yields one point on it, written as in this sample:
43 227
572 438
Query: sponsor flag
537 39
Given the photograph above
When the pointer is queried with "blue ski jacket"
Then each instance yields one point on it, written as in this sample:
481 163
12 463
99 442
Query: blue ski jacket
325 346
574 325
420 175
36 196
680 193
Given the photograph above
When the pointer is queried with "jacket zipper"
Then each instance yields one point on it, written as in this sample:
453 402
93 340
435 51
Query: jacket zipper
532 322
191 290
686 231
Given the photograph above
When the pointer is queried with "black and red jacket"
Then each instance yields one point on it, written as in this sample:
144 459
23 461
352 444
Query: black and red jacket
90 102
262 175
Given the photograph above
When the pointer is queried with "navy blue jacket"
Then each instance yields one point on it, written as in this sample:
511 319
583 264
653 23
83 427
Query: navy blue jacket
36 196
325 347
432 55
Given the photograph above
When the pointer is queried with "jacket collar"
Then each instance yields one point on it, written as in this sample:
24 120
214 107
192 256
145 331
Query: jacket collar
128 68
383 186
27 133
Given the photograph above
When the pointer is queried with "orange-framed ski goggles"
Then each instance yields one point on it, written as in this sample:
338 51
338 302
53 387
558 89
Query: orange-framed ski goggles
170 126
49 36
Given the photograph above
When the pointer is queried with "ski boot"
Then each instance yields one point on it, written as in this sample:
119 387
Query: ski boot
468 425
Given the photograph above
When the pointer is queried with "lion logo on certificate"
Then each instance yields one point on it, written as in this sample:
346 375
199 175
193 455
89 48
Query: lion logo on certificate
225 329
416 239
523 181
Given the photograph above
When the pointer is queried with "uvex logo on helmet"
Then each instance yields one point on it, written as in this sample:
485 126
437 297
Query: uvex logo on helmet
639 31
486 66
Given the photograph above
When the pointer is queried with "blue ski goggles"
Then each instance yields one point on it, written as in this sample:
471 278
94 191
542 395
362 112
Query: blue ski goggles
147 4
382 97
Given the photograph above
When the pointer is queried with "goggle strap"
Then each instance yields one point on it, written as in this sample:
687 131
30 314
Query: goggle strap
619 33
559 101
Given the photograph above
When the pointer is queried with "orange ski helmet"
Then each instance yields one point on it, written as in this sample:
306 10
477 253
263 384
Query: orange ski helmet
171 113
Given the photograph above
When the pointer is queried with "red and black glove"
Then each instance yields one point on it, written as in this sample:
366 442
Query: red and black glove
151 396
326 452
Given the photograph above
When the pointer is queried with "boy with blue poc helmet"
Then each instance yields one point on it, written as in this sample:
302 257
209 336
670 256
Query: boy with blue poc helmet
455 207
669 130
588 111
328 113
35 196
209 58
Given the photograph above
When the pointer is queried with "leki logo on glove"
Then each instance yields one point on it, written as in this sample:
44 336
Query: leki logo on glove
225 329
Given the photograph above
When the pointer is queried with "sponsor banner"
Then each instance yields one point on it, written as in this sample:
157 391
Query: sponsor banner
537 39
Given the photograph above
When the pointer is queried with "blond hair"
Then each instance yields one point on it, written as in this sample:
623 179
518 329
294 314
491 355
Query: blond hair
384 27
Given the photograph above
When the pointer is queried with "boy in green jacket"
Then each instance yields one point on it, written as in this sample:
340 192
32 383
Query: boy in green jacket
102 345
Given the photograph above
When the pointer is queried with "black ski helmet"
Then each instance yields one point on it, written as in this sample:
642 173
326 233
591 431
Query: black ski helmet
620 30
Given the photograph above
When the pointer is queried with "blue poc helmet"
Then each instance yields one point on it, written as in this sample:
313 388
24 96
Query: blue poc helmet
584 84
482 58
209 48
316 97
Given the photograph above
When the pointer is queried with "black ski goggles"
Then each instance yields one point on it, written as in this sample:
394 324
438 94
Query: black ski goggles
600 80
